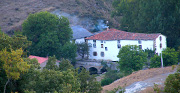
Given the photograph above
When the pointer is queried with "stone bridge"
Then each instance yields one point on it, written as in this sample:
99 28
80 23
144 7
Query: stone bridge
95 67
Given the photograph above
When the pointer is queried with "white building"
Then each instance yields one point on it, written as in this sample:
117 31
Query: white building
106 45
79 34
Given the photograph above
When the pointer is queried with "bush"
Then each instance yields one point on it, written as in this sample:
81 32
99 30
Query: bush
172 83
155 61
111 76
169 55
106 81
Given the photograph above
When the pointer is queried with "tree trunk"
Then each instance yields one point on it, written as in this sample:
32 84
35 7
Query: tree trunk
6 85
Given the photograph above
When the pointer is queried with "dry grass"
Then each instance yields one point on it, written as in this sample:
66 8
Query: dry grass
137 76
14 12
151 90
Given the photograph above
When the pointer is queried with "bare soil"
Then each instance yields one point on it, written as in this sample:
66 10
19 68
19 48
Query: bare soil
137 76
14 12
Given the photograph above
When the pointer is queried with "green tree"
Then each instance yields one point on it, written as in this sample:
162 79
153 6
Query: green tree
11 43
14 42
68 51
13 64
49 80
150 16
131 58
51 64
170 57
155 61
65 65
88 82
110 76
48 33
82 49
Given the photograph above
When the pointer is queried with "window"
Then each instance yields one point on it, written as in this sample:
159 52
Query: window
119 45
101 45
140 46
94 53
160 45
106 48
118 41
160 38
94 41
89 45
102 54
101 41
94 45
139 42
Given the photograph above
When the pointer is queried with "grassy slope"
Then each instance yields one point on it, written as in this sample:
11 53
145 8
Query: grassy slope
137 76
13 12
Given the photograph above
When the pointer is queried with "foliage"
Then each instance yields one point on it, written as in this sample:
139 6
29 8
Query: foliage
121 90
51 64
13 64
156 88
65 65
150 52
82 49
150 16
106 81
88 82
155 61
14 42
10 43
47 32
51 81
131 58
172 83
170 57
68 51
65 80
110 76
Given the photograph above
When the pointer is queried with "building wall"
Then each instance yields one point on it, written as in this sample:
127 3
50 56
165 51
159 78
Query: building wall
160 44
112 48
81 40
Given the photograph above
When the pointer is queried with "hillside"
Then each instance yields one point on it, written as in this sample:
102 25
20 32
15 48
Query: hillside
13 12
138 76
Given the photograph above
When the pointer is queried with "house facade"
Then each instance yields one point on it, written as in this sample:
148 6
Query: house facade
106 45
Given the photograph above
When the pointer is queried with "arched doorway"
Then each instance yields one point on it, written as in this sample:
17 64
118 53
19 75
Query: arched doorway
93 70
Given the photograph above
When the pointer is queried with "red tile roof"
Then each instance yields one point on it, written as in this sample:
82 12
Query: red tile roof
40 59
114 34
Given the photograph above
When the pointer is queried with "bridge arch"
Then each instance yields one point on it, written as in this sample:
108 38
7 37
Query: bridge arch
80 68
93 70
103 70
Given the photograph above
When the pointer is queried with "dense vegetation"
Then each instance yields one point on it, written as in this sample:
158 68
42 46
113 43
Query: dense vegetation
131 58
150 16
21 74
169 56
50 35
